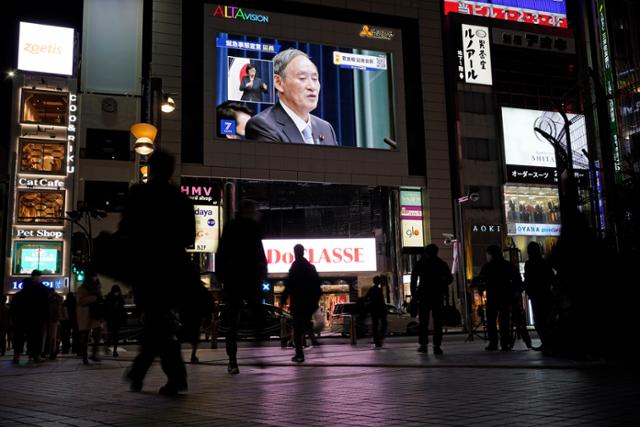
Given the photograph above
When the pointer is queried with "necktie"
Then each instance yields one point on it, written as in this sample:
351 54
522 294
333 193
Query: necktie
306 135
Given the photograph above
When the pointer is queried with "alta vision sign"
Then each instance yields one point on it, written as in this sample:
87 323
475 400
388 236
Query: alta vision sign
233 12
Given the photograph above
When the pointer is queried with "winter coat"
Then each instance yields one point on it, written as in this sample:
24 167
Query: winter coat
304 287
86 296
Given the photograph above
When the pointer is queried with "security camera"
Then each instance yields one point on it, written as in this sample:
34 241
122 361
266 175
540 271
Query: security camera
390 142
474 197
448 239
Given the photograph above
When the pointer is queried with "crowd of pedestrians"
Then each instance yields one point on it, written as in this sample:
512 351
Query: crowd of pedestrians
50 324
40 323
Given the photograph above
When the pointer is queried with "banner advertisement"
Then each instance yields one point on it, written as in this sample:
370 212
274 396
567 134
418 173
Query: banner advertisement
411 218
207 228
477 55
327 255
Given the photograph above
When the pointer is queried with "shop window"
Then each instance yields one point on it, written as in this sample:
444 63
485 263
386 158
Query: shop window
106 195
108 144
36 255
40 207
37 156
44 108
479 149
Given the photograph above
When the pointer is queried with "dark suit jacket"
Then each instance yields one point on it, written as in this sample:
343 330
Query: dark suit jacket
253 93
275 125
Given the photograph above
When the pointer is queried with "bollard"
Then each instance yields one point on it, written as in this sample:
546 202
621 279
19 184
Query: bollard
214 331
353 333
284 333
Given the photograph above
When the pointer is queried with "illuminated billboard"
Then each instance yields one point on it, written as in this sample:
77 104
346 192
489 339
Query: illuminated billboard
327 255
551 13
529 157
345 94
45 49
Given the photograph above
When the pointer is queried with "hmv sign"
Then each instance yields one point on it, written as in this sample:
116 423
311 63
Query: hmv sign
201 191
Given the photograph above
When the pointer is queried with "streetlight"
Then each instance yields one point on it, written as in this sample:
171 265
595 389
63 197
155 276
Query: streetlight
145 134
462 262
168 104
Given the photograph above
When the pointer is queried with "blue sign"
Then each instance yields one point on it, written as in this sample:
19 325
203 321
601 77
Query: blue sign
228 127
211 222
266 287
52 282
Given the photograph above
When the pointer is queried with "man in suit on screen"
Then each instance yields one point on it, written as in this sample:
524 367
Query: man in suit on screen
290 119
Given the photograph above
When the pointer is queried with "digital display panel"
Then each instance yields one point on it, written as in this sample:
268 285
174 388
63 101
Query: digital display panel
529 156
345 94
43 256
552 13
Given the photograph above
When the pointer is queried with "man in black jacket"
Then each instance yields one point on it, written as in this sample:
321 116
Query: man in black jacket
303 286
159 220
434 276
498 278
377 306
241 266
29 309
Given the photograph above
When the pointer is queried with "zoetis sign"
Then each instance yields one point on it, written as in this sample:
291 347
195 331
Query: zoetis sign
45 49
327 255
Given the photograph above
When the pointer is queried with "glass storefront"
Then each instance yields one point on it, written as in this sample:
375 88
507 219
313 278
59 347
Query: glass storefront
37 156
40 207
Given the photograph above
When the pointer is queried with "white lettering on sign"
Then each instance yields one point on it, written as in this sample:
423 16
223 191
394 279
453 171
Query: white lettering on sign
483 228
536 229
328 255
71 133
48 234
41 182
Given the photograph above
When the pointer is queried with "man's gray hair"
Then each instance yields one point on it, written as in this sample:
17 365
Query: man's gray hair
282 59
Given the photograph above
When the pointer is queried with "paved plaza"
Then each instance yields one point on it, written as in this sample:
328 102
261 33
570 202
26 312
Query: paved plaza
339 385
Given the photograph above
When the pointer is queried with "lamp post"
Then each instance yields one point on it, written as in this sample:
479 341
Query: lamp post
462 261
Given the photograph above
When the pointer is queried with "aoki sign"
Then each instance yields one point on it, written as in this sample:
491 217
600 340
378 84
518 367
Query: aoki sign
327 255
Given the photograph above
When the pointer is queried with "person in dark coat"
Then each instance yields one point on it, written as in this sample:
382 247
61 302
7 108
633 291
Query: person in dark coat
303 286
434 276
538 277
498 278
377 306
29 314
116 316
159 220
5 324
69 326
241 266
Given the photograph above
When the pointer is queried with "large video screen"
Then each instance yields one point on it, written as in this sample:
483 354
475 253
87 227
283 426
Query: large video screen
344 94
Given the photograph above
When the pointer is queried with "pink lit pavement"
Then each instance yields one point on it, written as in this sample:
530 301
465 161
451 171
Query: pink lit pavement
339 385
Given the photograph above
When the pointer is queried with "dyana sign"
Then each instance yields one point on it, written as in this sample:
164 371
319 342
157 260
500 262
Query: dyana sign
327 255
233 12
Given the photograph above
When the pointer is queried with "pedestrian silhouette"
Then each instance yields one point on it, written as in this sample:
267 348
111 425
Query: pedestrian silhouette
241 266
55 314
430 280
303 286
69 326
498 278
116 316
538 278
159 222
90 314
29 309
377 307
5 324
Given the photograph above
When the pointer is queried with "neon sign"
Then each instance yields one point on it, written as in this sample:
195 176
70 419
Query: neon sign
233 12
71 132
550 13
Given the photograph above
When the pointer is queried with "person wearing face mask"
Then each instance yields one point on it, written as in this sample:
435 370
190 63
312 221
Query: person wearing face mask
498 278
290 120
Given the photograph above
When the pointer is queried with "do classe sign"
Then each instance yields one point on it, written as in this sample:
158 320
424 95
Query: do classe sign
327 255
